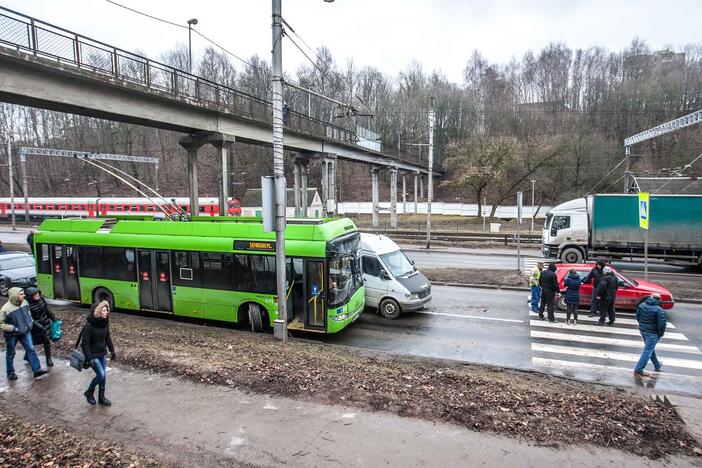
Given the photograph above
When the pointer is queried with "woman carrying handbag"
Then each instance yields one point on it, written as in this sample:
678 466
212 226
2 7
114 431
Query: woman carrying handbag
95 341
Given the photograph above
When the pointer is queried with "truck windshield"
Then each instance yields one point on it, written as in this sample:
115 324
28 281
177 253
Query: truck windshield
547 221
398 263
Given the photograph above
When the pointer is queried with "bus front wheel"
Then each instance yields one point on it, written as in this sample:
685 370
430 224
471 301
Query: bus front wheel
104 294
257 318
389 309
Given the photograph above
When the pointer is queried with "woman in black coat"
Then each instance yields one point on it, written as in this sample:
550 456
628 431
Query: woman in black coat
95 341
572 283
42 316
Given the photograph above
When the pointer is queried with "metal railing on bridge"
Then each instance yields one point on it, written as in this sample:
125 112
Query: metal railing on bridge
26 34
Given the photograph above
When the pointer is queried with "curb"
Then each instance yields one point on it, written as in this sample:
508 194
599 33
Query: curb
517 288
483 254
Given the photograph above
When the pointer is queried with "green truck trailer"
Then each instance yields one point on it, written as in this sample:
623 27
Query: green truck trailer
608 226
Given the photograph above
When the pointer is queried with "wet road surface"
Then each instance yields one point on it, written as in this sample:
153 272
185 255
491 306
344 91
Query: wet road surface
495 327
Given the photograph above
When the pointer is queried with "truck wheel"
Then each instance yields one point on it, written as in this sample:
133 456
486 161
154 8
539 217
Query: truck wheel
389 309
572 255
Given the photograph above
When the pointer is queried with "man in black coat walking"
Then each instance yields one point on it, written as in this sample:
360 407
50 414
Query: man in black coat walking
594 277
607 293
549 286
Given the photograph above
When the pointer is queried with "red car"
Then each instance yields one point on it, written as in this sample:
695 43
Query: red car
630 294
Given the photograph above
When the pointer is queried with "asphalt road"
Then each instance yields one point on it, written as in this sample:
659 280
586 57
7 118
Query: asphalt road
494 327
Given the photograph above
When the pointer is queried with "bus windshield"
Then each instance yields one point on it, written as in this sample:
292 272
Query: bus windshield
344 269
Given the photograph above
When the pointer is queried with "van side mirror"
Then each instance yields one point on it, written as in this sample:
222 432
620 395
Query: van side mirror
384 275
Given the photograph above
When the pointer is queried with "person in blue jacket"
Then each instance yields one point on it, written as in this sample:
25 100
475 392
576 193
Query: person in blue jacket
652 322
572 283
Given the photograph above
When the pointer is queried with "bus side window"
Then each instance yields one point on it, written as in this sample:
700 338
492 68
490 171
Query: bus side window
186 269
217 271
44 261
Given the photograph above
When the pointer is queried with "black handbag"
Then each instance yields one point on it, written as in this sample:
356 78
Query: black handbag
77 360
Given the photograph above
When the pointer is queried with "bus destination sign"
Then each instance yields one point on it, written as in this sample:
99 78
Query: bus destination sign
265 246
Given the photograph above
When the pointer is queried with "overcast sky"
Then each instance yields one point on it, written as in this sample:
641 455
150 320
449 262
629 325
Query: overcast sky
386 34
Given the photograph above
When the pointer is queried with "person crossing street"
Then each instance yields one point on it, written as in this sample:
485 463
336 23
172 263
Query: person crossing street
534 276
652 324
549 287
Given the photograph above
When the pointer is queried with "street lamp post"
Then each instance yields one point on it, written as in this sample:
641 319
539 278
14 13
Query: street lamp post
191 22
533 184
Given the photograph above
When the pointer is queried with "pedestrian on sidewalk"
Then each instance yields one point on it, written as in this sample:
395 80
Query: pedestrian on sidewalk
42 317
2 247
534 276
594 277
95 341
549 287
607 293
16 324
30 241
572 295
652 322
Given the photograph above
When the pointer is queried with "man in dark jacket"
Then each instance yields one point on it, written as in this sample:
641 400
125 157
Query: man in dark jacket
607 293
549 286
16 324
30 241
594 277
652 322
43 318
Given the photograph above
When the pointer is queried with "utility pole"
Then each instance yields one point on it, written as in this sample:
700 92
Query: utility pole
278 165
430 185
12 182
533 185
627 169
191 22
23 172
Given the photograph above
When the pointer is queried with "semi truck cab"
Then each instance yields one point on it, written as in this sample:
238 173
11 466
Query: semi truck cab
565 234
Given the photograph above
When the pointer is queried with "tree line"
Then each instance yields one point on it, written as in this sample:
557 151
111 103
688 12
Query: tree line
557 116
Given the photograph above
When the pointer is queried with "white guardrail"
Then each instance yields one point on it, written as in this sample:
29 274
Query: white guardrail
440 208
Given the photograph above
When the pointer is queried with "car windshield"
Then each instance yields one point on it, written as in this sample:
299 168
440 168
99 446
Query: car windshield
628 280
16 262
398 263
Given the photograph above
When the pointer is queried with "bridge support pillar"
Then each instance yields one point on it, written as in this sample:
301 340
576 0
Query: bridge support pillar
296 187
404 192
421 186
223 144
416 182
191 145
304 174
331 185
393 197
375 196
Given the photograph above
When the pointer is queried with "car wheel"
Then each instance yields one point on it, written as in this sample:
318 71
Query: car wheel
104 294
389 309
572 255
3 288
561 303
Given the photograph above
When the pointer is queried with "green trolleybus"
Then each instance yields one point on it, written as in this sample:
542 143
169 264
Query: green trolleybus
210 268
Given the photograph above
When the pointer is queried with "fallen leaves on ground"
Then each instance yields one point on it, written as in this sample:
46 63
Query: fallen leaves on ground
38 445
540 408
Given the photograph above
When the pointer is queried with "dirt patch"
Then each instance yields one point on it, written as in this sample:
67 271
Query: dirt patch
685 289
476 276
39 445
544 409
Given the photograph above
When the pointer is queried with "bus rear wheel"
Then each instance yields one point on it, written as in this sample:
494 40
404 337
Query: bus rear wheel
257 318
389 309
104 294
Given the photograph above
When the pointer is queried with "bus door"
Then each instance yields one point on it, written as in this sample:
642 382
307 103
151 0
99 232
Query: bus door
64 267
155 281
315 294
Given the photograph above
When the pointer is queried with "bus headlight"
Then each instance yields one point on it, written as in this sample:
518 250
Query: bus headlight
339 317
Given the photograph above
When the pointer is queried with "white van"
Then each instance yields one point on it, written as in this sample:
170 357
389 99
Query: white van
393 284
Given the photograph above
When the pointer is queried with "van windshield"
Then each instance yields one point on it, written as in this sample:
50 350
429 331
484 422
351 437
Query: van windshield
398 263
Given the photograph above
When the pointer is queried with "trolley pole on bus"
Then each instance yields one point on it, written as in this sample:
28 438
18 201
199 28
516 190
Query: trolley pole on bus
278 165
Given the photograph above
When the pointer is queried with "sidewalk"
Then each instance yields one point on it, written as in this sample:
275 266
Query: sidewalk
200 425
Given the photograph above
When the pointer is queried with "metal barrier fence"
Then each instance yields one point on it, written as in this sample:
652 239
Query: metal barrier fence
26 34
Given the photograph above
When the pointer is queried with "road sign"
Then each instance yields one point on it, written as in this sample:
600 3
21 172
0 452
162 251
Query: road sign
644 210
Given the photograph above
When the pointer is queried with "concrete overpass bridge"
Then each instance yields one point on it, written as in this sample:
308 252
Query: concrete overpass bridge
46 66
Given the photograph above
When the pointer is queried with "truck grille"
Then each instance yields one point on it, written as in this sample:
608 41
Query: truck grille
425 293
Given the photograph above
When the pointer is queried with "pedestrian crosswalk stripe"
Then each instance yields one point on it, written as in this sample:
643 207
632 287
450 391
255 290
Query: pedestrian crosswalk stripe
602 329
584 366
612 341
618 356
582 317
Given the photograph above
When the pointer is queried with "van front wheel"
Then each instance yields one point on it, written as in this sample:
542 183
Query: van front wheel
389 309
